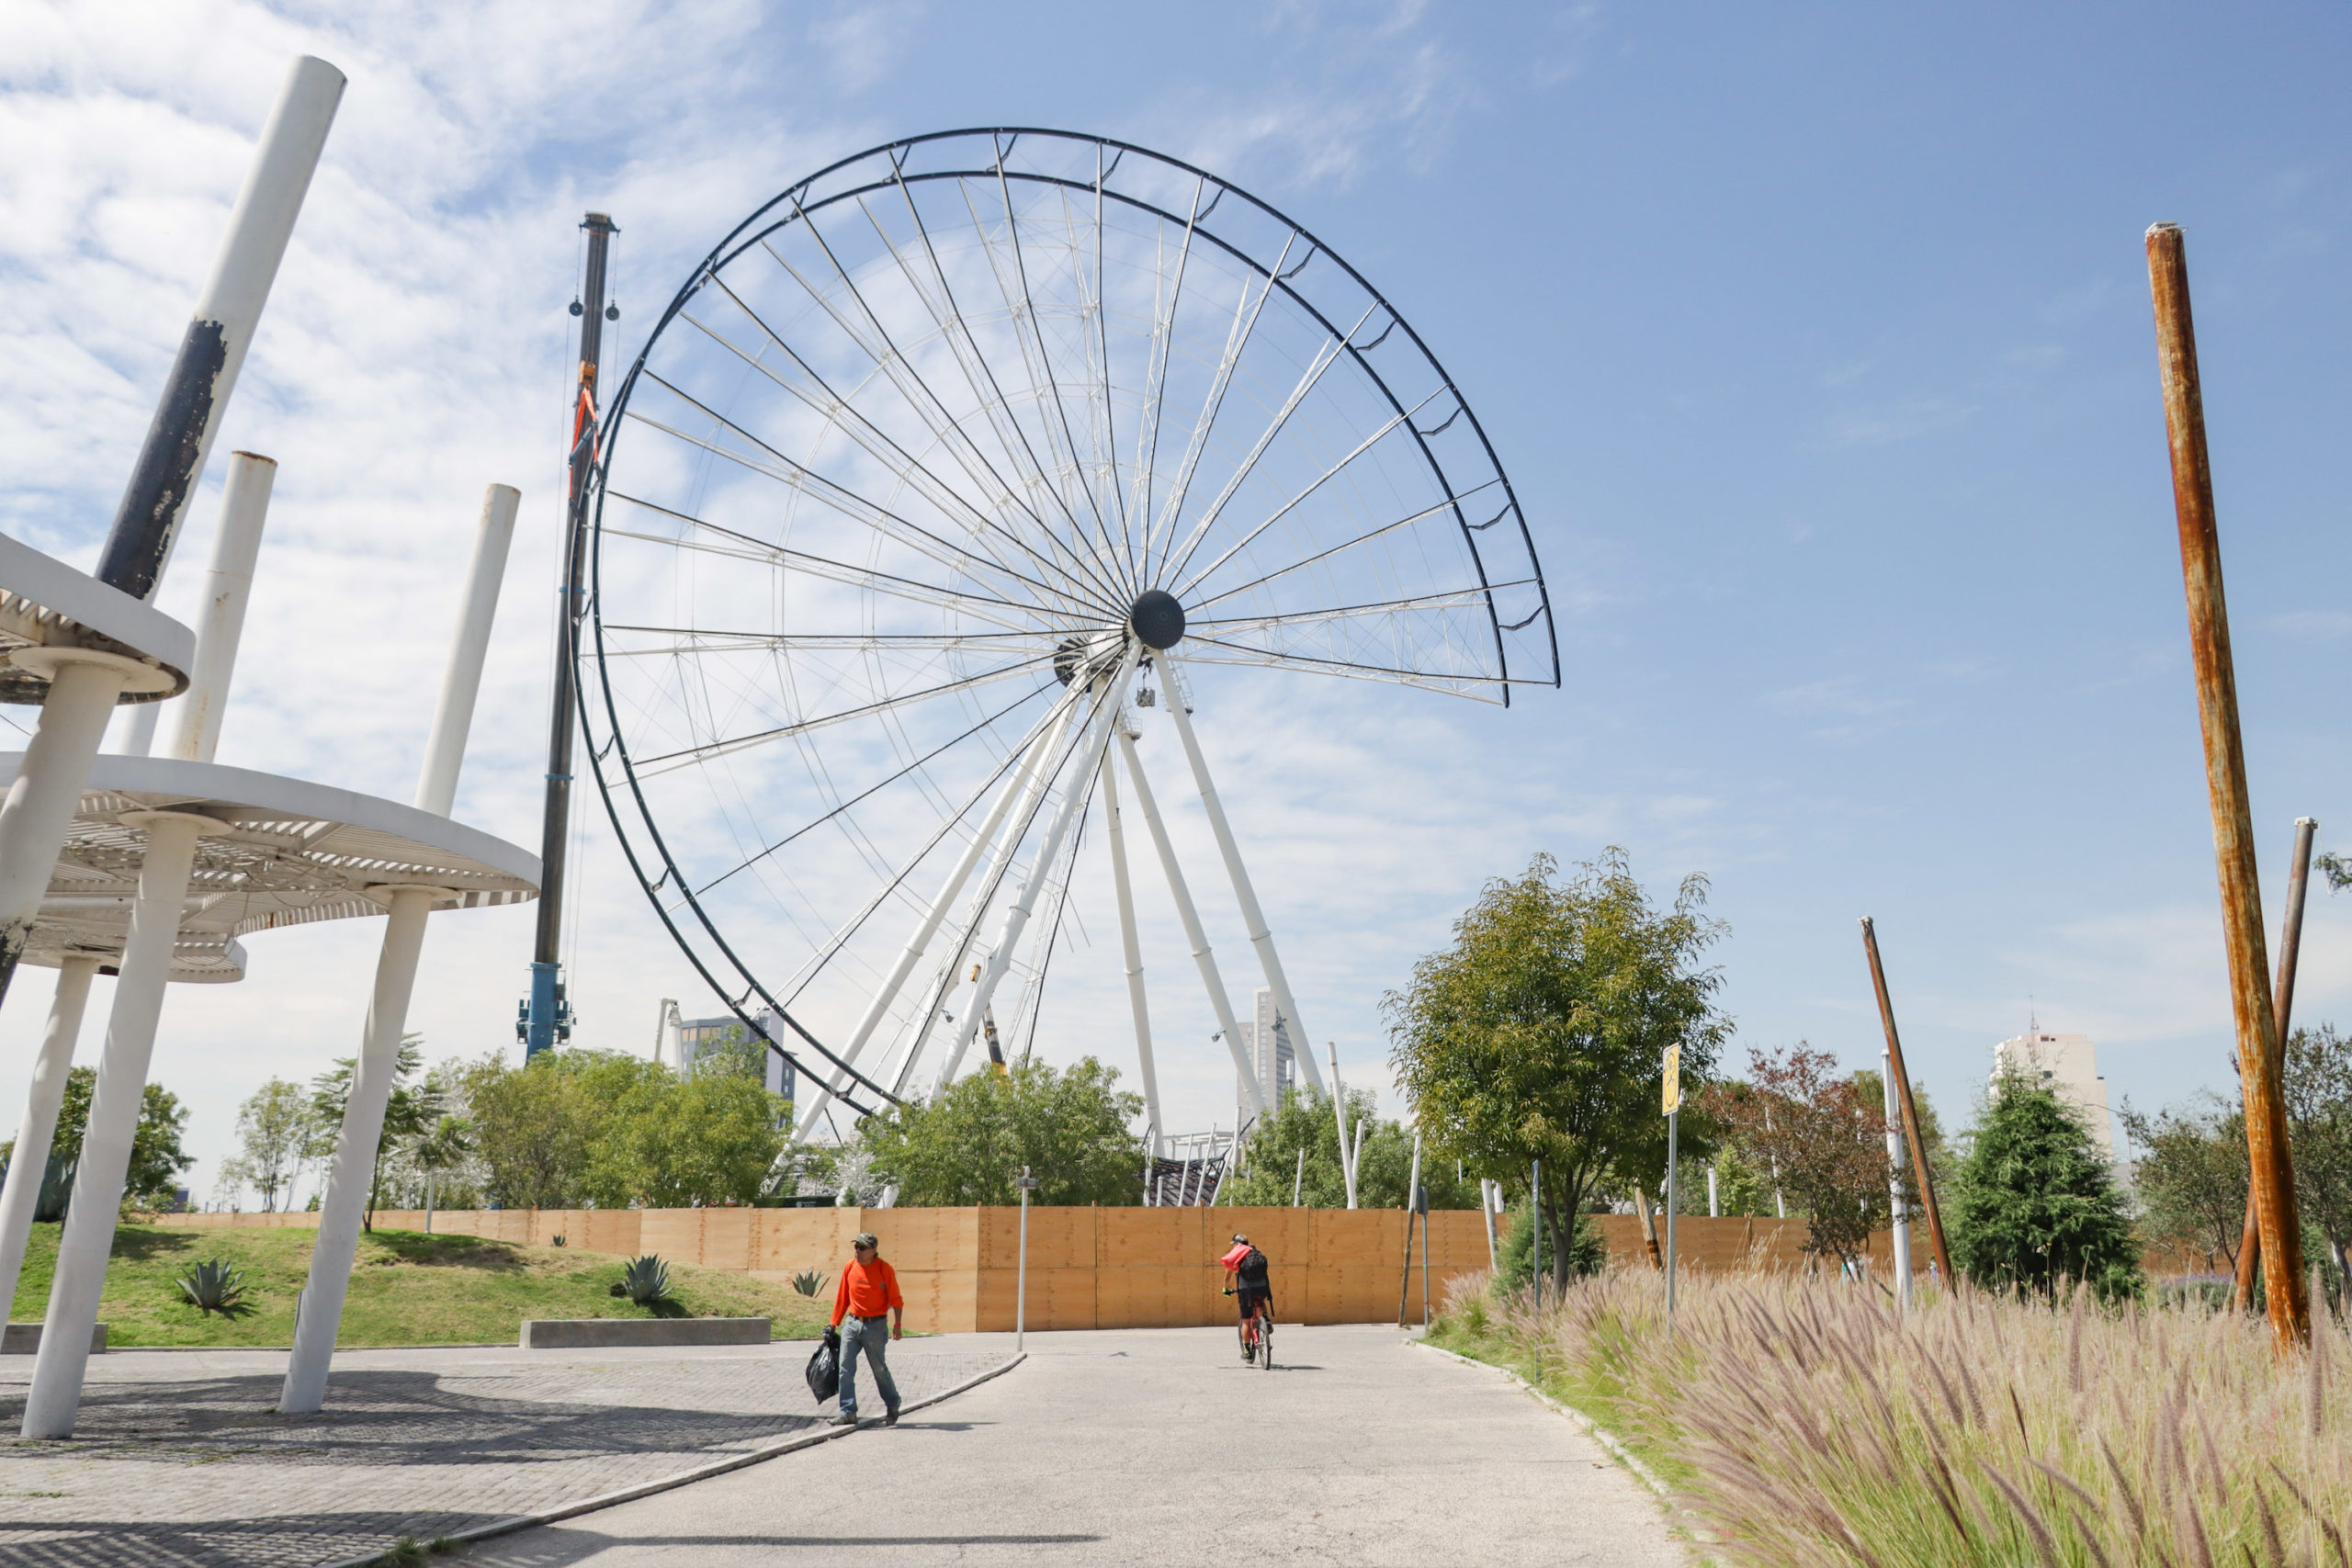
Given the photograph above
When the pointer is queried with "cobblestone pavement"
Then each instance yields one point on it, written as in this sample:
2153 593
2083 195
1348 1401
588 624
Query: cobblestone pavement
178 1459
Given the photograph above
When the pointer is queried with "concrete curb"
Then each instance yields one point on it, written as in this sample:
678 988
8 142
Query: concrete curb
684 1477
1592 1428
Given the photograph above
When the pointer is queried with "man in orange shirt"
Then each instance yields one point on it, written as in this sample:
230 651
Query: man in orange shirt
869 1289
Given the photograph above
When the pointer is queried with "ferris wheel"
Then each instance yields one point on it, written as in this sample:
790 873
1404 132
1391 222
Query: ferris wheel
947 468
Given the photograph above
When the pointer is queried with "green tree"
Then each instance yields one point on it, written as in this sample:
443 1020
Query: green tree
1515 1261
1539 1034
2192 1180
733 1052
672 1143
158 1159
410 1110
2035 1206
274 1134
1070 1128
1270 1165
2319 1128
1825 1133
535 1126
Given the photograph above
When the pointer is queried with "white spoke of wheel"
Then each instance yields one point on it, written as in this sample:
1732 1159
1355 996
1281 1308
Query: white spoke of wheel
1455 599
1245 894
1326 356
1386 428
1163 334
929 407
1131 948
916 474
647 767
1441 678
1016 919
745 548
1003 421
1102 345
701 644
1364 539
1245 322
1219 1002
845 502
1041 745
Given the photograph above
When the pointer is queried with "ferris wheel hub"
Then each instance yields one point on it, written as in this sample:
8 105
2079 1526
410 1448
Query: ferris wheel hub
1157 619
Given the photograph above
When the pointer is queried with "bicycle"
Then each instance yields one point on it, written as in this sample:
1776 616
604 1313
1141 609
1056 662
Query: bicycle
1258 1334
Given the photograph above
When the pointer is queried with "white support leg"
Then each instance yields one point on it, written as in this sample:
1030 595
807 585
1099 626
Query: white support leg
38 1132
1201 957
1026 781
1132 949
344 1207
228 584
452 715
1016 919
89 1241
48 788
1339 1114
1302 1050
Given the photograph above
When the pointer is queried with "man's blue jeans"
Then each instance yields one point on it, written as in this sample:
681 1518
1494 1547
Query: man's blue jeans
873 1336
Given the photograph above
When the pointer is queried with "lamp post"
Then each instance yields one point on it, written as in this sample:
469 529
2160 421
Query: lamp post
1028 1184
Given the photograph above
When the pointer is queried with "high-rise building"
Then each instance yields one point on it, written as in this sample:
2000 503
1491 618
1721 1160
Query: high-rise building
699 1036
1269 1049
2067 1062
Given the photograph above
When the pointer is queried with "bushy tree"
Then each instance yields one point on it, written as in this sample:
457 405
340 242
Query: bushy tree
1070 1128
1539 1034
2035 1207
1515 1261
535 1126
2319 1128
158 1159
2192 1174
274 1137
1825 1133
675 1142
409 1111
1303 1121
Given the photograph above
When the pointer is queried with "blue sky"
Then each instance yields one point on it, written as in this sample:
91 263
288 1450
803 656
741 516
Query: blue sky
1816 341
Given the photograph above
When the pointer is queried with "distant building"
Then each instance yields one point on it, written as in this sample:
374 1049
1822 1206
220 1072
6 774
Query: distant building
1266 1041
2069 1064
699 1036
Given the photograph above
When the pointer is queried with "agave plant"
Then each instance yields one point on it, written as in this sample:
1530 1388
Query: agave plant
212 1286
808 1281
646 1280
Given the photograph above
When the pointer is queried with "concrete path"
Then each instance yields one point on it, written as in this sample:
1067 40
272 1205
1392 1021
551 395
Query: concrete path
1158 1447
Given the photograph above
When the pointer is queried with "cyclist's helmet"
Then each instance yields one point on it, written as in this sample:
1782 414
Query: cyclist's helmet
1240 1237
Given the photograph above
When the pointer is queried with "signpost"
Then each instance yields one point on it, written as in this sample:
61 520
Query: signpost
1673 1104
1028 1184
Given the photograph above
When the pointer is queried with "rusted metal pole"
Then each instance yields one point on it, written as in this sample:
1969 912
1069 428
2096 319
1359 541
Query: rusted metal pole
1910 1110
2291 942
2217 712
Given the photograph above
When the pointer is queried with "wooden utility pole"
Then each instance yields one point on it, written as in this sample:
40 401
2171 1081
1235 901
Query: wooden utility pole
2217 713
1910 1110
2291 942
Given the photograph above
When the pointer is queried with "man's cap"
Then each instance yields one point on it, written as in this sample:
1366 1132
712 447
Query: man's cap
863 1239
1239 1236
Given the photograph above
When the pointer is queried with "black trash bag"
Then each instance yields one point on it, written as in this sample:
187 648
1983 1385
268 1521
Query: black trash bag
825 1367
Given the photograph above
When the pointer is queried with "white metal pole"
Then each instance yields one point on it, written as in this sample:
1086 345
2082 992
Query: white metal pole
1201 957
1487 1194
343 1208
1339 1114
138 729
452 715
1016 919
1132 948
48 786
1026 783
1299 1182
1673 1201
228 584
1244 894
38 1132
89 1240
1021 1290
1714 1208
1899 1217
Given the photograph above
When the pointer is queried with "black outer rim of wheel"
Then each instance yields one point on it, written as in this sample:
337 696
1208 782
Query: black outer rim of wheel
740 999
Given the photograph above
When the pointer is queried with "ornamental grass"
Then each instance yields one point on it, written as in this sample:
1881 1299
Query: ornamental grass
1805 1421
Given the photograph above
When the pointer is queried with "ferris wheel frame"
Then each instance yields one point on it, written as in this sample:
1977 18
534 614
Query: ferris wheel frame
743 988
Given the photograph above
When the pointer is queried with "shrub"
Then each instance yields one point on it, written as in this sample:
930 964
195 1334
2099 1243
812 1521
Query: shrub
1588 1254
808 1281
2035 1207
212 1286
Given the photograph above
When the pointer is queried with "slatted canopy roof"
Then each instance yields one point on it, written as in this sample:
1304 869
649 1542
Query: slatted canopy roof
286 853
46 603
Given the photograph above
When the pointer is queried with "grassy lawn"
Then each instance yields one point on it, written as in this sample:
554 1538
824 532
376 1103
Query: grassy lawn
407 1288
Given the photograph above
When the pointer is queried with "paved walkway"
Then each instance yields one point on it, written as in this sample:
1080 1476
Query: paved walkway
179 1462
1157 1447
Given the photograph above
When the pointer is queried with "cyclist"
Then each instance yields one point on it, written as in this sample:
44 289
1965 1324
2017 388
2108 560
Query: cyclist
1253 1288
